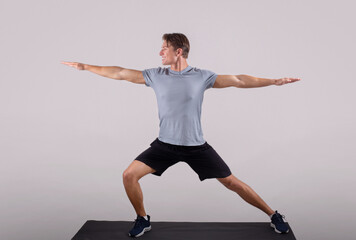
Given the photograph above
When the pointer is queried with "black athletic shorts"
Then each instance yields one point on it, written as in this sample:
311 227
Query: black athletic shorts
203 159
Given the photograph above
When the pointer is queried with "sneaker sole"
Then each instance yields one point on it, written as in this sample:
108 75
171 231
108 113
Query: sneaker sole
275 229
141 233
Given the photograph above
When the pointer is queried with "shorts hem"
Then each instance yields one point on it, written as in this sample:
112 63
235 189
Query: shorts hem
224 176
157 172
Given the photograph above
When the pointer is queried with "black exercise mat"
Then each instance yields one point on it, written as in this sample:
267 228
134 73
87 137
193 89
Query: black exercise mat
116 230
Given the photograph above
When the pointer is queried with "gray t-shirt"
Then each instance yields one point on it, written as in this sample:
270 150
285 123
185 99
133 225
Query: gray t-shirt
179 98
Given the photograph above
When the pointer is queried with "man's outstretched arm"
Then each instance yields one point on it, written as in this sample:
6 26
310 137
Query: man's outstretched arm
246 81
114 72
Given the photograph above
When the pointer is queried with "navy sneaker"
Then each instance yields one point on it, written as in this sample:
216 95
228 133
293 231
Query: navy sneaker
278 224
141 226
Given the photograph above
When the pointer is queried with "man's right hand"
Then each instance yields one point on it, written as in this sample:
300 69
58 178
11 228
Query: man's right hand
79 66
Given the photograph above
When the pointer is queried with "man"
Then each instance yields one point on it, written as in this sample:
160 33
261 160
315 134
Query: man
179 90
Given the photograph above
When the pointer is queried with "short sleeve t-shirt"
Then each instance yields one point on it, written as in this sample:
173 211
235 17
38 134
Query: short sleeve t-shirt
179 98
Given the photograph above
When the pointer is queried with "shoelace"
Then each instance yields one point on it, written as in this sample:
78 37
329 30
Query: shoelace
280 217
137 222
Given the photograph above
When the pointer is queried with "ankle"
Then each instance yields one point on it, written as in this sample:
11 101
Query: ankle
270 215
144 216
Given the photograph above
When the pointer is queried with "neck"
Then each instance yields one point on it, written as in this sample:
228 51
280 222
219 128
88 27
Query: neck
179 65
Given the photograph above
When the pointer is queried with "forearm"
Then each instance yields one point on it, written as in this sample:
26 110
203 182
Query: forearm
253 82
105 71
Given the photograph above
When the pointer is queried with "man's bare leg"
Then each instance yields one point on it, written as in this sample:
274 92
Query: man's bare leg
131 175
246 193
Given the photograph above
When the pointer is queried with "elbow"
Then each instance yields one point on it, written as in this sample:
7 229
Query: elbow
239 82
242 84
118 74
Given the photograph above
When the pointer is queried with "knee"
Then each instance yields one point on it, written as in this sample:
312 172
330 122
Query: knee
129 176
233 183
228 183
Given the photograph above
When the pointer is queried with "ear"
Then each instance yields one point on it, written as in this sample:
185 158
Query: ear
179 51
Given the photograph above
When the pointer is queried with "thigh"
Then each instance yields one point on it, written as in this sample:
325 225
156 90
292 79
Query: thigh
139 169
158 157
207 163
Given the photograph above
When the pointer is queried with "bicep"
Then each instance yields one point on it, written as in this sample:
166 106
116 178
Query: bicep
224 81
131 75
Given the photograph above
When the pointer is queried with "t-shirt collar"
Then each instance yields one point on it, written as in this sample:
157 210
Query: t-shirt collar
180 72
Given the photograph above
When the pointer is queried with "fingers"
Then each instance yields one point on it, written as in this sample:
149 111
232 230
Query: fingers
290 80
294 79
283 81
71 64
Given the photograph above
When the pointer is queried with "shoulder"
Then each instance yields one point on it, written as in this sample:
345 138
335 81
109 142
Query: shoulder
207 74
153 69
203 71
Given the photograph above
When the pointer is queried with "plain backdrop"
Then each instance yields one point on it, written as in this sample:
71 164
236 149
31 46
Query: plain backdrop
68 135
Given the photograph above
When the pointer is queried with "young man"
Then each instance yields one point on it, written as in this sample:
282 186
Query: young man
179 90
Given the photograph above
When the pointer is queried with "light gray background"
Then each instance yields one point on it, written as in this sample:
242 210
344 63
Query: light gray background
68 135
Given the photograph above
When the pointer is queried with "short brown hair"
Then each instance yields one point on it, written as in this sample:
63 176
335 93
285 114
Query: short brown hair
178 40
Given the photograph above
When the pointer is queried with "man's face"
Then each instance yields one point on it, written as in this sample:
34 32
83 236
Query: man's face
167 53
